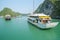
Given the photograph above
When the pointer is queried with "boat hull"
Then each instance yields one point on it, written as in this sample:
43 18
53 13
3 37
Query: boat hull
44 26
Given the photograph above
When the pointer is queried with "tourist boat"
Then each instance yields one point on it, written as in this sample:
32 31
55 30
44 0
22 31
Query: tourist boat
42 21
7 17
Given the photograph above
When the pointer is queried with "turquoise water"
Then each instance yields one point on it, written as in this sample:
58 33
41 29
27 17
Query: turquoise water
20 29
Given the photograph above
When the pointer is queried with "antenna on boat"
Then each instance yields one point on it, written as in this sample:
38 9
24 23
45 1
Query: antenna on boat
33 6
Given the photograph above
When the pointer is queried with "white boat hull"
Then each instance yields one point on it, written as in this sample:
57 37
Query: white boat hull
46 25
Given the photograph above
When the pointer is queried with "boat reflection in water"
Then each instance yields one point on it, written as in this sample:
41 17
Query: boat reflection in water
42 21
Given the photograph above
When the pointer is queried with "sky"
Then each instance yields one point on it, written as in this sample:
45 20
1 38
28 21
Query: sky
22 6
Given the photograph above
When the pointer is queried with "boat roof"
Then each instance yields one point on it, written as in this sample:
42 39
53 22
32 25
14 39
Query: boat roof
7 15
41 14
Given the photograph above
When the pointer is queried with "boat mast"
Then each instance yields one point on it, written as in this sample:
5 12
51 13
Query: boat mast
33 7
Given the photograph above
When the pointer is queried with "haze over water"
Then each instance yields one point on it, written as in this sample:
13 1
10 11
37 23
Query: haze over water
22 6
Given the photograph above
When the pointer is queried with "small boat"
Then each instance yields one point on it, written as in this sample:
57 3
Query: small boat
7 17
42 21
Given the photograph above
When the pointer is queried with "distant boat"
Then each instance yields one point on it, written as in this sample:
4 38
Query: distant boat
42 21
7 17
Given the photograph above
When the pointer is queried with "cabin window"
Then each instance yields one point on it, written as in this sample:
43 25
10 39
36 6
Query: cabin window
40 20
34 16
32 20
29 19
36 20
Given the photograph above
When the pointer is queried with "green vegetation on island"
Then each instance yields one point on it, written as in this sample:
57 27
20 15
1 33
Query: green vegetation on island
9 11
54 9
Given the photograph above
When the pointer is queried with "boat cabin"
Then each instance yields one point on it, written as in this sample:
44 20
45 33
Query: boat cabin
45 19
39 18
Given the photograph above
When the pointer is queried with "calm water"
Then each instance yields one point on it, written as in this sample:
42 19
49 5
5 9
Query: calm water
20 29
